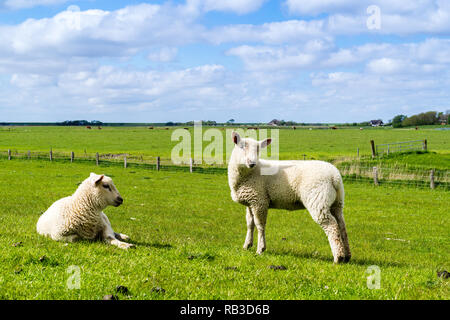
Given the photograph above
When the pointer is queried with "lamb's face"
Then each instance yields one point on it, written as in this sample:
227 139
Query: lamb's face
247 150
106 189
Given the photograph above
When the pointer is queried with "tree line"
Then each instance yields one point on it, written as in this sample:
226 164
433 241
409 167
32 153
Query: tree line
421 119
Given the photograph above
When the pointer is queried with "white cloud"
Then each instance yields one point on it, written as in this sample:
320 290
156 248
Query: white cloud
320 6
270 33
26 4
280 58
386 66
164 54
236 6
81 62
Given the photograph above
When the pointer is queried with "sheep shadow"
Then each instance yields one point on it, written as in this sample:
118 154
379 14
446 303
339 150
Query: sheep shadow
329 258
156 245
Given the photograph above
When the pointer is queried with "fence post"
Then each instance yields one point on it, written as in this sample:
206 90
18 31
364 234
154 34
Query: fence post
375 175
51 155
29 154
191 164
357 152
96 158
425 146
124 161
72 156
372 144
158 163
432 184
9 154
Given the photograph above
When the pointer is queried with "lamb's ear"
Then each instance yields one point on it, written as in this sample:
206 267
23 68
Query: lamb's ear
265 143
236 137
99 179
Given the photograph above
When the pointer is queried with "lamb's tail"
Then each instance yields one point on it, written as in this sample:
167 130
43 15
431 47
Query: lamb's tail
339 186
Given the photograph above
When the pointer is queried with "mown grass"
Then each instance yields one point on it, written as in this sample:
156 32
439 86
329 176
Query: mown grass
189 235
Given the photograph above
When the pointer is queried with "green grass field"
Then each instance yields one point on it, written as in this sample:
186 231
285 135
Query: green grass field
189 233
317 143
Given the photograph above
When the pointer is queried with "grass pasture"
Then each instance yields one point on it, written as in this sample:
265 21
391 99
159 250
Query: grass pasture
140 141
189 236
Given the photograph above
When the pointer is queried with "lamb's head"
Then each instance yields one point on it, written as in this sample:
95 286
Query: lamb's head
247 150
104 188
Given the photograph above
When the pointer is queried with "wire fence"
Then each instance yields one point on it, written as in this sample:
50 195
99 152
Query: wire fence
405 146
352 169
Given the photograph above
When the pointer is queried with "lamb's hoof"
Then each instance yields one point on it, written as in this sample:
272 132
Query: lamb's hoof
127 246
247 246
341 259
260 251
124 237
347 258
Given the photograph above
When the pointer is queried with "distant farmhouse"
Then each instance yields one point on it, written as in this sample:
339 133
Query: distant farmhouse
274 122
376 123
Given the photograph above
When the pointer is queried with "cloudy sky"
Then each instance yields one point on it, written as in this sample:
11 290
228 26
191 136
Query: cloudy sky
250 60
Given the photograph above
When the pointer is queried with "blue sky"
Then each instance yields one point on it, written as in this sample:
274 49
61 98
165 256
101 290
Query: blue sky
250 60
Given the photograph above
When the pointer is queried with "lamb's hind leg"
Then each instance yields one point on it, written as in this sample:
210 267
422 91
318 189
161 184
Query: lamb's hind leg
110 236
336 211
331 228
250 228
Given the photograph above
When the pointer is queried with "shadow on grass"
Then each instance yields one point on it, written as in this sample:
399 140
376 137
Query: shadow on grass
329 258
156 245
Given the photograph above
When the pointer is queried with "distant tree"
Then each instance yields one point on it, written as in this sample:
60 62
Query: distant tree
231 121
397 121
425 118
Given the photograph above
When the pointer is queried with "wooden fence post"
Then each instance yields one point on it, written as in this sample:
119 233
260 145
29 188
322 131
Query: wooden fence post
375 175
425 145
432 184
72 156
357 152
372 144
51 155
9 154
29 154
191 164
124 161
96 158
158 163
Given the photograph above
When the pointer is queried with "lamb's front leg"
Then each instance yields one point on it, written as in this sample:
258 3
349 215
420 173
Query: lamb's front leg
110 236
260 218
250 228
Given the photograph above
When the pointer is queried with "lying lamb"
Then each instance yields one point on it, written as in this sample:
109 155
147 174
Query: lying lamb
262 184
80 216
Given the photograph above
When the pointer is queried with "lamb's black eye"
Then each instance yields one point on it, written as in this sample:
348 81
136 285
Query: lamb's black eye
106 186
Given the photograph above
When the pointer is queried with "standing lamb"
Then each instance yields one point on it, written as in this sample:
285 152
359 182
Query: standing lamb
262 184
81 216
